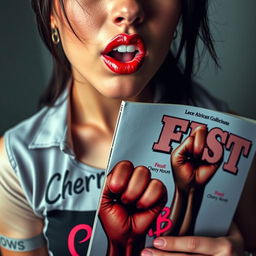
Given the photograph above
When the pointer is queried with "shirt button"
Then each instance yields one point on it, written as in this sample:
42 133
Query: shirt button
13 163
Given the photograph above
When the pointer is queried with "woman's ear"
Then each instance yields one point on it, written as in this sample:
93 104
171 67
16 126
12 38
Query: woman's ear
55 14
55 31
53 21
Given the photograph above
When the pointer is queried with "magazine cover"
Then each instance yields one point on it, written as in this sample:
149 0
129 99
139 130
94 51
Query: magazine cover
173 170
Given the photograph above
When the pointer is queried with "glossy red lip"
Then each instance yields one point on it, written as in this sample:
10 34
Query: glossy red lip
124 67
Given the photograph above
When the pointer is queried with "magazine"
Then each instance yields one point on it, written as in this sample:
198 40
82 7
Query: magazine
173 170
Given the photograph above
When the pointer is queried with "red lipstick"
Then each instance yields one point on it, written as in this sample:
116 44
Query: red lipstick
124 54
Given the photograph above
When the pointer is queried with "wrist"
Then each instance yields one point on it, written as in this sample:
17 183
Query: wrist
126 247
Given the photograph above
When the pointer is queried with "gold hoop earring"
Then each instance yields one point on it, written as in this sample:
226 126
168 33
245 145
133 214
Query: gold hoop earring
55 36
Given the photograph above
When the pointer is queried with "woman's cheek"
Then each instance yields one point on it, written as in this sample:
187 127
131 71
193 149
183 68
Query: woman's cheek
85 20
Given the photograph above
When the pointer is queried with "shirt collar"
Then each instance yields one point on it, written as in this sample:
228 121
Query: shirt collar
54 129
55 126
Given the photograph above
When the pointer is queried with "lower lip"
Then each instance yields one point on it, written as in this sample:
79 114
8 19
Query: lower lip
124 67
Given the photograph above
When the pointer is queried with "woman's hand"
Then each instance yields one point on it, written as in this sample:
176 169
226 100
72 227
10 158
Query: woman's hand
185 245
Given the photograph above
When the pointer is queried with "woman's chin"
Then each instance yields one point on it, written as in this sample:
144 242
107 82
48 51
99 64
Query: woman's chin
121 91
120 96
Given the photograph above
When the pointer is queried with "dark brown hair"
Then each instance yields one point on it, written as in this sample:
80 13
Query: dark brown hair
194 25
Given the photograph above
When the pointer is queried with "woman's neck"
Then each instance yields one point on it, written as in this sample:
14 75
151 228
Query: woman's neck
93 120
88 106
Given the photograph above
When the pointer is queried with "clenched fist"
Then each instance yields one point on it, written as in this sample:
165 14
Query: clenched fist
189 170
191 174
130 203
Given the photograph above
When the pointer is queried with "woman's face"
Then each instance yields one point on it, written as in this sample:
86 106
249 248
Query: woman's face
117 45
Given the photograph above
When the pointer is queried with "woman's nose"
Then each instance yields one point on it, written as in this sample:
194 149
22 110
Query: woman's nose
127 12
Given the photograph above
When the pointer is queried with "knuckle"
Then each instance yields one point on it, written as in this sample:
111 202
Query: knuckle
158 184
227 248
123 165
193 243
143 171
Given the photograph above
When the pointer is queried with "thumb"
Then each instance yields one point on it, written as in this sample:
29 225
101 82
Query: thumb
182 152
199 134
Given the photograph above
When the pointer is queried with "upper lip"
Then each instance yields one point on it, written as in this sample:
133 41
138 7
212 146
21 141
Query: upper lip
125 39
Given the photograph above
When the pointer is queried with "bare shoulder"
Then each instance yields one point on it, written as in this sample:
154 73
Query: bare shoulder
17 219
2 145
3 153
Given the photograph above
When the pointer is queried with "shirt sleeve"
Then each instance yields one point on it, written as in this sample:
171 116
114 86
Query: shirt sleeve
17 219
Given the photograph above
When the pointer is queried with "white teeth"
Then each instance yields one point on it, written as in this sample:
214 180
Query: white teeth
125 48
121 48
130 48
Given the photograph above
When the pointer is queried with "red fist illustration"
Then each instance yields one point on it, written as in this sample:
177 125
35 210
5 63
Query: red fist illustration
188 168
191 174
130 203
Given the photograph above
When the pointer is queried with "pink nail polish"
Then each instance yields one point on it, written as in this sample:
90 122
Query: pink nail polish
146 252
159 242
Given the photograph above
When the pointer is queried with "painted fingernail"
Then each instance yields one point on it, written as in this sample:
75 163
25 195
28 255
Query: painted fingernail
159 242
146 252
